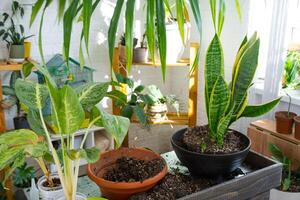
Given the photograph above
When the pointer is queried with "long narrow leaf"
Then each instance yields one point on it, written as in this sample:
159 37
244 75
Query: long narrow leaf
150 28
238 8
221 17
61 8
113 28
162 39
87 14
129 15
180 18
213 10
167 4
35 9
197 15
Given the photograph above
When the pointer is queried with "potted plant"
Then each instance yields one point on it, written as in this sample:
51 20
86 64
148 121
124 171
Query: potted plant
22 178
290 187
140 54
158 109
122 47
291 75
285 119
69 108
20 121
215 149
13 34
127 171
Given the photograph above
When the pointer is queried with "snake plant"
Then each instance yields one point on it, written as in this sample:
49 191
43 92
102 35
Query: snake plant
226 103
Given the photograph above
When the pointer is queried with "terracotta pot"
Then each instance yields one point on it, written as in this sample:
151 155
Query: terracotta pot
284 124
122 190
297 127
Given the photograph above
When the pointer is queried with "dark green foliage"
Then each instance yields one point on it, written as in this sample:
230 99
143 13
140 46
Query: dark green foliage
22 176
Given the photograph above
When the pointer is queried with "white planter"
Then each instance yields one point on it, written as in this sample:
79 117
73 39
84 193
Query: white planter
26 192
175 47
79 196
279 195
49 193
157 112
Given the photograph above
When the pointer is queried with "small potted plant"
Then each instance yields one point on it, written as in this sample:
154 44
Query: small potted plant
140 54
122 47
13 34
290 187
22 178
214 149
157 110
285 119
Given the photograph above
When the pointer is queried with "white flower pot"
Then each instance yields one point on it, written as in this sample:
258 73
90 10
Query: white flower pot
47 193
157 112
280 195
79 196
26 192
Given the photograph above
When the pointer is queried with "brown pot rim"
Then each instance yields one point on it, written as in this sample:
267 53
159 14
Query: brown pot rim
297 119
292 115
123 185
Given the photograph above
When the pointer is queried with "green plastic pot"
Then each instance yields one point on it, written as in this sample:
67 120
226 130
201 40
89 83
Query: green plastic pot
16 51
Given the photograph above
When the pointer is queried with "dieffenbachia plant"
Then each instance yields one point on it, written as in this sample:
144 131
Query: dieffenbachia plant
80 11
226 103
69 110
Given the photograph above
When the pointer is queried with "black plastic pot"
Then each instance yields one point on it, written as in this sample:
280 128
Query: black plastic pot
201 164
21 123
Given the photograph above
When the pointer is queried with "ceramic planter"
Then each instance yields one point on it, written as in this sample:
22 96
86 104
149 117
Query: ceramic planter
140 55
208 164
122 190
297 127
47 193
157 112
79 196
16 53
280 195
284 124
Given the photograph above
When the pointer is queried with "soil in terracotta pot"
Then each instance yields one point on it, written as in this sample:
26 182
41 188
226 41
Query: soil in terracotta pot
129 169
56 183
197 139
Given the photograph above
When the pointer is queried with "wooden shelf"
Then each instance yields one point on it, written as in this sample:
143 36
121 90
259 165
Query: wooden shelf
172 118
181 63
5 66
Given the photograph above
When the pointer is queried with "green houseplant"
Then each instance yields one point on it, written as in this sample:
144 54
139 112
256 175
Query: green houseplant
291 78
12 33
22 178
225 103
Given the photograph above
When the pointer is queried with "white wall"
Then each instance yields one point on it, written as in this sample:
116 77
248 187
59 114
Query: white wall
176 83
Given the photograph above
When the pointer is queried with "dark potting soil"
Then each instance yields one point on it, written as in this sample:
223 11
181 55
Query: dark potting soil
129 169
56 183
295 183
197 139
174 186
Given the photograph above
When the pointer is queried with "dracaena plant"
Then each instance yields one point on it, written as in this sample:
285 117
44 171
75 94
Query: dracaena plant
69 109
226 103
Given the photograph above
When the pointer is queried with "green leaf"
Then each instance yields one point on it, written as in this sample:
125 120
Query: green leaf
87 14
37 150
61 8
219 101
162 38
18 138
238 8
277 154
35 9
34 121
245 72
116 126
221 16
223 127
8 91
69 16
140 114
180 18
258 110
197 15
213 10
91 94
214 67
117 96
139 89
113 28
95 113
32 94
91 155
150 28
27 68
127 111
129 15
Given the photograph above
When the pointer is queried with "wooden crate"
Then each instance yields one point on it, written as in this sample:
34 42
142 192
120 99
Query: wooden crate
254 186
263 132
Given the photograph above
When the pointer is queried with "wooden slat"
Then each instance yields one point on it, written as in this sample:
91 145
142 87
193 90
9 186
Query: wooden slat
193 87
270 126
181 63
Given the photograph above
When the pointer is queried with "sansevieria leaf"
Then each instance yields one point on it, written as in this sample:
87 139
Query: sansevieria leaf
113 28
221 16
129 15
31 94
161 34
214 67
223 127
219 100
258 110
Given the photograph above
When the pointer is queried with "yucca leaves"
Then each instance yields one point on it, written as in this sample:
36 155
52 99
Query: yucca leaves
161 34
150 28
61 8
180 18
35 9
113 28
197 15
214 67
219 101
129 15
87 14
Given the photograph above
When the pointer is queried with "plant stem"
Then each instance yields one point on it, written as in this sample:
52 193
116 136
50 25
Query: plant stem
45 170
